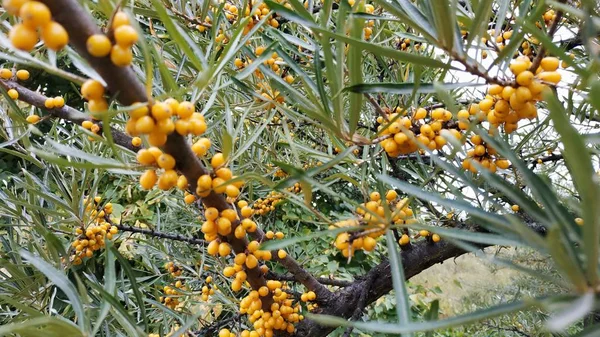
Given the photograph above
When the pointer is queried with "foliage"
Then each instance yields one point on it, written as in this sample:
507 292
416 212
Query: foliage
367 140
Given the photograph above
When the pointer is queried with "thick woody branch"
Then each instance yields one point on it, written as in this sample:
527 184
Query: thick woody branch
323 280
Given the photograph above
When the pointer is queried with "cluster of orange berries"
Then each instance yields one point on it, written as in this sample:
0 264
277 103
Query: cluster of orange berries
173 269
168 178
549 16
282 316
508 105
219 180
485 155
92 237
125 36
369 24
93 92
266 205
173 294
406 132
35 16
405 44
93 127
22 75
372 214
208 289
218 225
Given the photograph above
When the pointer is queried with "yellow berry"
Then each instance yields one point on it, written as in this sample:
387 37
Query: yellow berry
6 73
55 36
525 78
32 119
549 63
145 124
224 249
119 19
145 157
185 109
148 179
92 89
35 14
125 35
166 161
189 199
59 102
281 254
97 105
136 141
98 45
579 221
217 160
23 37
22 74
515 208
13 94
49 103
121 56
86 124
13 6
435 238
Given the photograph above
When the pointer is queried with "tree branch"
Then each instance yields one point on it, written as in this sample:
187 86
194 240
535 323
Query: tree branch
323 280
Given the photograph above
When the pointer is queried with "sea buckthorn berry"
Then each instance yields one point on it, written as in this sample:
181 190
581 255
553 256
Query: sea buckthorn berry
23 37
251 262
98 45
166 161
49 103
281 254
404 240
204 182
145 124
119 19
161 111
92 89
435 238
55 36
145 157
157 138
87 124
182 182
59 102
224 249
13 6
121 56
136 141
35 14
97 105
148 179
13 94
185 109
525 78
125 36
167 180
213 248
22 74
32 119
217 160
502 164
515 208
579 221
189 199
375 196
549 76
549 63
420 113
6 73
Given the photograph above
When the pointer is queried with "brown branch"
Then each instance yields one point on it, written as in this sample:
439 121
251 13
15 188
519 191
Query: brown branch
66 113
323 280
162 235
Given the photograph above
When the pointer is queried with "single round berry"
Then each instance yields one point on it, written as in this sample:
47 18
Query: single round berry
23 37
120 19
23 74
125 36
121 56
59 102
13 94
35 14
6 74
49 103
32 119
98 45
97 105
55 36
13 6
92 89
136 141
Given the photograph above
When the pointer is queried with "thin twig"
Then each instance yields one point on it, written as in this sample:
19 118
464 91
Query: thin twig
323 280
542 51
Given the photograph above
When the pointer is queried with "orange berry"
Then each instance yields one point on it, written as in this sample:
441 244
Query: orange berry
126 36
97 105
92 89
23 37
121 56
148 179
119 19
98 45
145 124
55 36
166 161
35 14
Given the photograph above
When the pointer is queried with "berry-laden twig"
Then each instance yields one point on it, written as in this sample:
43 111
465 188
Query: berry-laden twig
66 112
162 235
542 51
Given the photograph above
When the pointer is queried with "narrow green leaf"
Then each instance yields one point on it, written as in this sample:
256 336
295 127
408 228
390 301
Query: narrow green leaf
398 279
